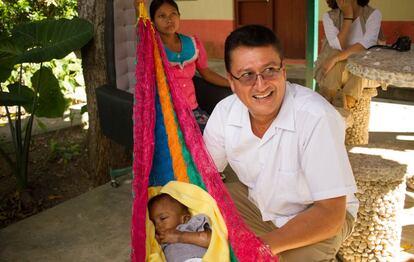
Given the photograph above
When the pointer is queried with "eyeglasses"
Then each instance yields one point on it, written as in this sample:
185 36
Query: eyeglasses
268 74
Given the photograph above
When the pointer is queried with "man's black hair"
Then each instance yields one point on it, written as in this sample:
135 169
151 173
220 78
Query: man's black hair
250 36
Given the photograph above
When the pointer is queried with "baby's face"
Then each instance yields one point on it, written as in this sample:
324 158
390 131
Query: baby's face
166 215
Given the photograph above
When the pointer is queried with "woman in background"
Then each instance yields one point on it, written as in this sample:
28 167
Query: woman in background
186 54
351 26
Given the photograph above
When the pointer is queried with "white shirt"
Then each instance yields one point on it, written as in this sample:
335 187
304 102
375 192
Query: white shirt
370 38
300 159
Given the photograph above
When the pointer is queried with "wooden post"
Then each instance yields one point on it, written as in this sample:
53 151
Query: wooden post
312 16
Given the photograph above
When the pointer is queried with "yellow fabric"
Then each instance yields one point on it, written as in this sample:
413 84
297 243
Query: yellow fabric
142 11
199 202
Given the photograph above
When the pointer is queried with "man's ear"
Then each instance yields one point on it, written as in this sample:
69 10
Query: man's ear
231 81
284 70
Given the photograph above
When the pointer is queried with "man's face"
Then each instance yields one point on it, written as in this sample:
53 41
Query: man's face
264 97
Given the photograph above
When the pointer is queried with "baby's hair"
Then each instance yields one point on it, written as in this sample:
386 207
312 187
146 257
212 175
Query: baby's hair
167 197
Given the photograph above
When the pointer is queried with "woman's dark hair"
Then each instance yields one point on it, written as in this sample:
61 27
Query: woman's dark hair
156 4
332 3
250 36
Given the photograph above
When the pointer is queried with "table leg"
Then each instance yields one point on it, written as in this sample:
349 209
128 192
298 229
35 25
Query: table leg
357 134
381 193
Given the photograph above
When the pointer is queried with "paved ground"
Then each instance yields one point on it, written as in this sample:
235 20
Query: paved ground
91 227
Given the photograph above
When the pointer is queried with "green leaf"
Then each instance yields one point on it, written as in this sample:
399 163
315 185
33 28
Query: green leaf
25 92
51 100
8 99
7 61
84 109
41 124
47 39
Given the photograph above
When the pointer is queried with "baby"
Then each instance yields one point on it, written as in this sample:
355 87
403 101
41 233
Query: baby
182 237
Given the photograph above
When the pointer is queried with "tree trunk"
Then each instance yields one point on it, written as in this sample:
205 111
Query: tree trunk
102 152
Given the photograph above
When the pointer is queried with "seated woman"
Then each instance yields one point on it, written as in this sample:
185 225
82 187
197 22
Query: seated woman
350 27
186 54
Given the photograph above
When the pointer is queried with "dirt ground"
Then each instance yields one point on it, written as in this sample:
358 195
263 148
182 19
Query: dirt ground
58 171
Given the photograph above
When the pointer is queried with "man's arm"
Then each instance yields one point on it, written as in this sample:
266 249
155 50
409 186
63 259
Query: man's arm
323 220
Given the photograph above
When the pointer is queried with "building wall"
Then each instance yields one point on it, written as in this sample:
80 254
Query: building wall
212 20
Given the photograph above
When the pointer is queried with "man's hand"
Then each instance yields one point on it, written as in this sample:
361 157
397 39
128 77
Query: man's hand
169 236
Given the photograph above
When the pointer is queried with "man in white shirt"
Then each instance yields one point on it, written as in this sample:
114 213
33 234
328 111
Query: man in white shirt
286 145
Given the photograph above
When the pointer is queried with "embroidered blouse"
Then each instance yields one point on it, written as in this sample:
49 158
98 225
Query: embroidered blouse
184 64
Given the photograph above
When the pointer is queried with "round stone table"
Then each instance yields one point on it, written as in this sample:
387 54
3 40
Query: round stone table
385 67
388 67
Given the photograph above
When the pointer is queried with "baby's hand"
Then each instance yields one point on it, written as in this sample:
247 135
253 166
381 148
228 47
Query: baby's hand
169 236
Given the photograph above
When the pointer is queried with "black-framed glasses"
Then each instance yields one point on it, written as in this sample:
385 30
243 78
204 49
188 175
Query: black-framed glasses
268 74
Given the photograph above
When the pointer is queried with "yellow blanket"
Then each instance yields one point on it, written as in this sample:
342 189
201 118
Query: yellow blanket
198 201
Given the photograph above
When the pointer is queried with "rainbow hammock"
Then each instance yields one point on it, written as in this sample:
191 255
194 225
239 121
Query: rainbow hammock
169 146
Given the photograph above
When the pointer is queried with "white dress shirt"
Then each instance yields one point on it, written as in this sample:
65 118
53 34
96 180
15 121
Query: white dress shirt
300 159
370 38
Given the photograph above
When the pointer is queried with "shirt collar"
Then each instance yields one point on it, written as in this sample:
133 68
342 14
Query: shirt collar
239 115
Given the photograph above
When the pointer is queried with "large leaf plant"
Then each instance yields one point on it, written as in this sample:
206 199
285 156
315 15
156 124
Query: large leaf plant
28 45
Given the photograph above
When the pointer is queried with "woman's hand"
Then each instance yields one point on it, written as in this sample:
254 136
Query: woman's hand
346 7
328 65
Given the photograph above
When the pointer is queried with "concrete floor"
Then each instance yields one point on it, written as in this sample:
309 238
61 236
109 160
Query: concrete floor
91 227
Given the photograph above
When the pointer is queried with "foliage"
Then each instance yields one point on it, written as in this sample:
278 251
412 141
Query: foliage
16 12
36 43
67 70
63 153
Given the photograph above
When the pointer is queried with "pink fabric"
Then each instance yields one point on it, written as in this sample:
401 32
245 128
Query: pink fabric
144 126
246 246
184 75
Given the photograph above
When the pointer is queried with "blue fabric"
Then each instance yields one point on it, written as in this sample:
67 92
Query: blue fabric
162 170
187 53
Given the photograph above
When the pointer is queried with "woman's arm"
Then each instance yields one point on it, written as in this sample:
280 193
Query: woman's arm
329 63
370 38
346 8
204 70
337 38
214 78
